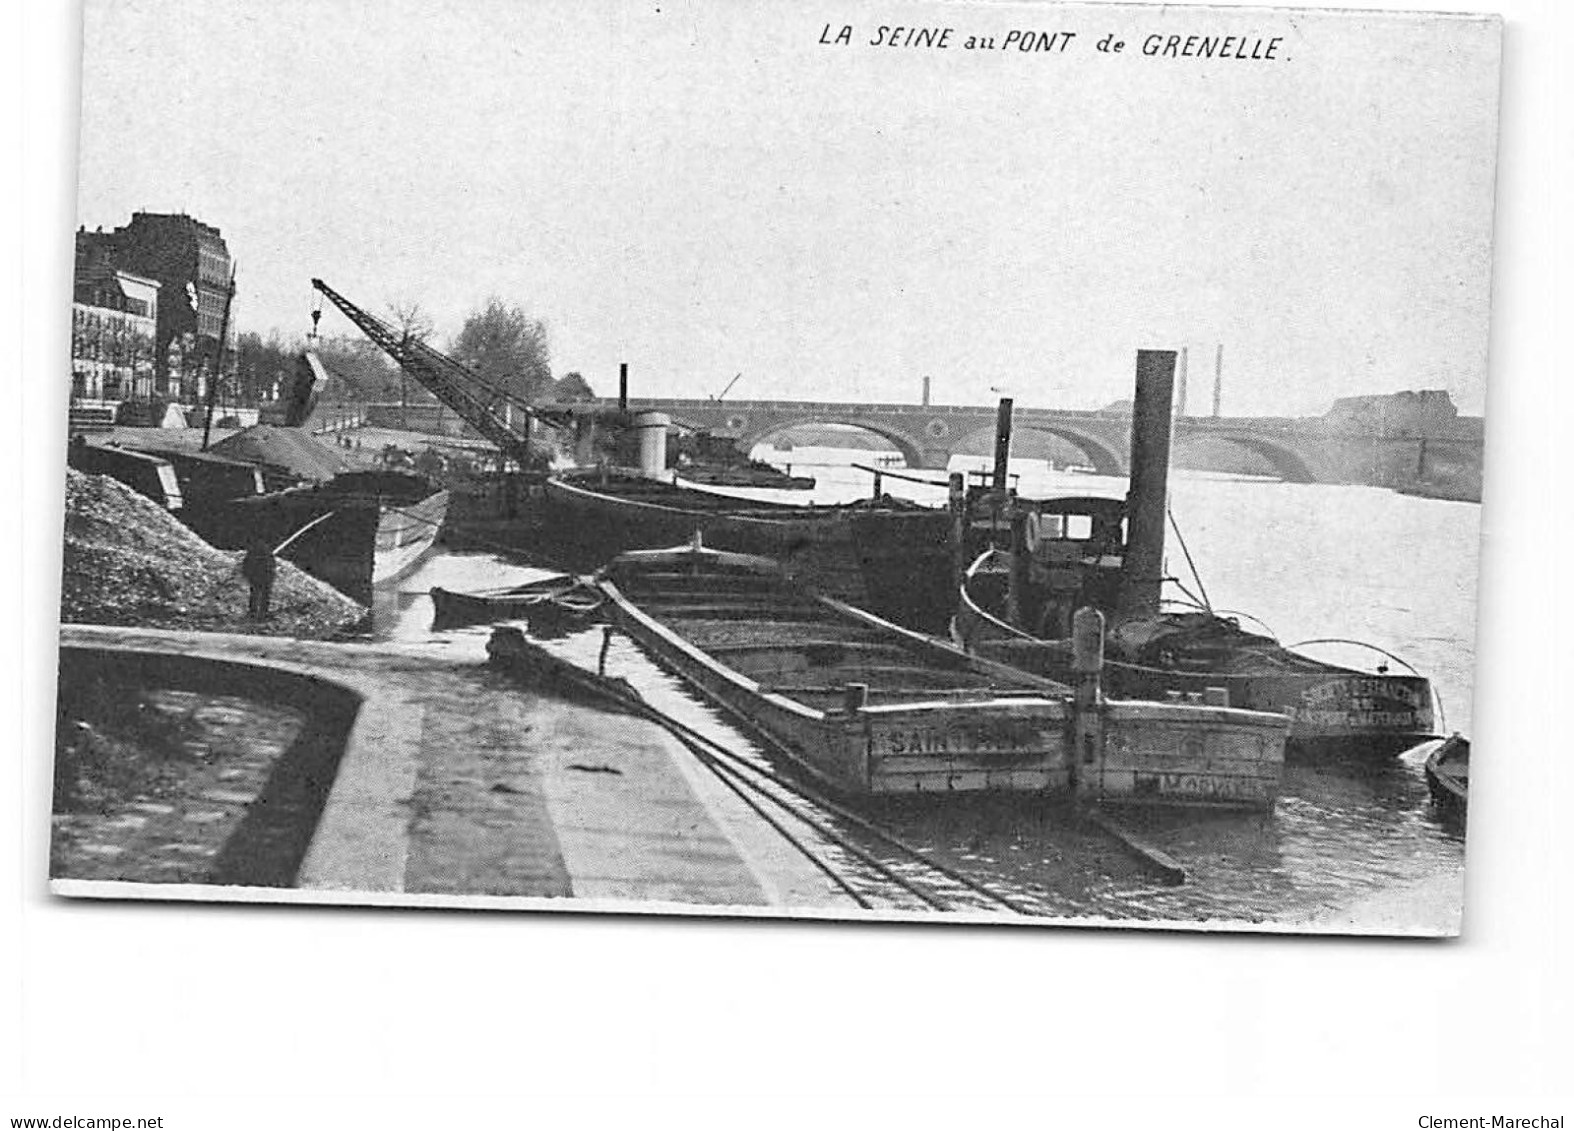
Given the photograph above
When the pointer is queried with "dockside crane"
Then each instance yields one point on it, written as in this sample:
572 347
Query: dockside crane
486 406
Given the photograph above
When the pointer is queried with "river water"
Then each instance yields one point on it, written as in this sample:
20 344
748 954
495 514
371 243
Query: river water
1311 562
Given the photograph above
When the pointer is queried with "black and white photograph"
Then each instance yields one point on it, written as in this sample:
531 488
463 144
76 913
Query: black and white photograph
1020 464
897 562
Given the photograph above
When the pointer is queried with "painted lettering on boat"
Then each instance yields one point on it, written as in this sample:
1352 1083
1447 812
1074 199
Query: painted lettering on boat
1365 703
1364 693
1196 785
1360 720
999 736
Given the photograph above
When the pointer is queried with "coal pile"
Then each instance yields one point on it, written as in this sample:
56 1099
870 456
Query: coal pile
130 562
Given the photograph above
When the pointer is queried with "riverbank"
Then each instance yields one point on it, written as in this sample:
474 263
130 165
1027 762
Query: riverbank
450 780
128 561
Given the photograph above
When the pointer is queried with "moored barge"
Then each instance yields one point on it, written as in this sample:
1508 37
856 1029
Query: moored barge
868 708
356 531
862 552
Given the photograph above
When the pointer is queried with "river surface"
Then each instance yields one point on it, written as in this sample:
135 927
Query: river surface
1311 562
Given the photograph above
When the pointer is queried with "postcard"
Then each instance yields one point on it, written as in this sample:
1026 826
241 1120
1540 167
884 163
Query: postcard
953 462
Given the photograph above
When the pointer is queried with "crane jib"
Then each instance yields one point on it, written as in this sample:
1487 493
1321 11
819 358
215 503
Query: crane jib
482 404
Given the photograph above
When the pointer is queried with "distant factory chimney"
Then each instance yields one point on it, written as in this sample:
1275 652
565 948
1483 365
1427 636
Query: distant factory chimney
1180 385
926 392
623 386
1218 378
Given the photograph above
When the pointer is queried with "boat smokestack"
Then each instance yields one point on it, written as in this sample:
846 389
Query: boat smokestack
1002 444
1146 498
623 386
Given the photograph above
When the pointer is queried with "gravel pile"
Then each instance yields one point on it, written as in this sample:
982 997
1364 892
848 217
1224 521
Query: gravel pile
287 450
130 562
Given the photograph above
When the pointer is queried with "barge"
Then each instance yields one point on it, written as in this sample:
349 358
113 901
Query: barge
861 552
356 531
865 707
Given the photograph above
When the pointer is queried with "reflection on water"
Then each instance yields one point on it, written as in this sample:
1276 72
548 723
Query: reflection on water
1310 561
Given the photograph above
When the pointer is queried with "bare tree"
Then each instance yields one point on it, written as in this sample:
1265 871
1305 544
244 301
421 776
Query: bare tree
409 317
413 324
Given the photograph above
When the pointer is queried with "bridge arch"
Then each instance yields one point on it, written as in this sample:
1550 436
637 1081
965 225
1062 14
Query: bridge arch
912 450
1104 456
1288 462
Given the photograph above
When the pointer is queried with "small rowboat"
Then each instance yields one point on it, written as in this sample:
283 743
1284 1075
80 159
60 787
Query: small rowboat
564 594
1448 774
866 707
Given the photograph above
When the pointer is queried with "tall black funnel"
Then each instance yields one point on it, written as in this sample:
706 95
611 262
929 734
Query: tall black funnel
1147 497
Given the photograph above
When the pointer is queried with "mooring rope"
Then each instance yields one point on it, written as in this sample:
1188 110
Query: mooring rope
719 759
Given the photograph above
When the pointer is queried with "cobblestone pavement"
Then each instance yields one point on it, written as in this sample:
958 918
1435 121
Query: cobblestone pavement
174 827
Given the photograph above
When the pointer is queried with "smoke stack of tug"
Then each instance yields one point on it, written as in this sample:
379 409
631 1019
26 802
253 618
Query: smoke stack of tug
1147 495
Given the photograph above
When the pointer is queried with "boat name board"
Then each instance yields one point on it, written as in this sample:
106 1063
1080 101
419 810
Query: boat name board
1361 720
1366 703
1210 787
1365 693
1000 737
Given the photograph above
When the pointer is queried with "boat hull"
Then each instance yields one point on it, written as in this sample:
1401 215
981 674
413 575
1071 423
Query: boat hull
363 538
869 708
405 534
1334 711
542 603
891 561
1447 769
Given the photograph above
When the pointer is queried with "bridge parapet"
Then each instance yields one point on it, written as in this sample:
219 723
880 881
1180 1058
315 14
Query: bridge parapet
1311 449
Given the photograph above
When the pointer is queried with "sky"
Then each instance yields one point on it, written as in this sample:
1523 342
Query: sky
704 190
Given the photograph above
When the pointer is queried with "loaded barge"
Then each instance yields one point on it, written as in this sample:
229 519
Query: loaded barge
865 707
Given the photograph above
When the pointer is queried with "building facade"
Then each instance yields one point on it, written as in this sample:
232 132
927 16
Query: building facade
191 263
114 326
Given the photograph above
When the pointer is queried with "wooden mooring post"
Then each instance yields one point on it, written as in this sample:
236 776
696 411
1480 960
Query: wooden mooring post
1087 664
958 503
1017 577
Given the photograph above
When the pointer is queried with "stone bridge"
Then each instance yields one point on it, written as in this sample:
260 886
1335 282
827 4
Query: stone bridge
1340 447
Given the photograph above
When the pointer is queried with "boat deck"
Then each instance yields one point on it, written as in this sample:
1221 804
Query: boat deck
796 645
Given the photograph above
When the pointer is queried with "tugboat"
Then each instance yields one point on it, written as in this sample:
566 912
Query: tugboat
1015 604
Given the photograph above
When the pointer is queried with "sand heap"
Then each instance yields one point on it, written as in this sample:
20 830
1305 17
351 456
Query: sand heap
130 562
284 451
